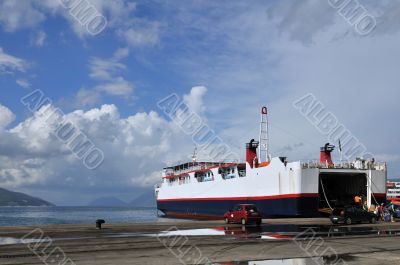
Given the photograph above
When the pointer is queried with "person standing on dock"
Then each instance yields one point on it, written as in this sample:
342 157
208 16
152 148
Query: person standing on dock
391 210
358 200
380 212
365 206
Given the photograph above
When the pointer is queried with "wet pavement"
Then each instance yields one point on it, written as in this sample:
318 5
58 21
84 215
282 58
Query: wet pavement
232 232
275 242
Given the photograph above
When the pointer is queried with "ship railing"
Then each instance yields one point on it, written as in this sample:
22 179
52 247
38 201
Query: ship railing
202 166
345 165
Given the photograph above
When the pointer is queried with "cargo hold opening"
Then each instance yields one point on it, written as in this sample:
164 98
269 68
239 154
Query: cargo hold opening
341 188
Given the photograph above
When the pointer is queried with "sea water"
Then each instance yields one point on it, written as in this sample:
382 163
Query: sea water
20 216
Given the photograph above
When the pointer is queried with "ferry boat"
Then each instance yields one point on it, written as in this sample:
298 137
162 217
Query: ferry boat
279 188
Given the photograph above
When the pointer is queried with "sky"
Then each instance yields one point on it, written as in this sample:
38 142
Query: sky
222 60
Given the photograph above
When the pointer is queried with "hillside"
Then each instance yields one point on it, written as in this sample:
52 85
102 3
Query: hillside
10 198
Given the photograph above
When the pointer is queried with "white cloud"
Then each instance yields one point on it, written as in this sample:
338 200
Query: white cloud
104 69
121 53
86 97
143 35
40 38
9 63
194 99
303 19
117 87
107 71
136 148
146 179
23 83
117 12
6 117
15 15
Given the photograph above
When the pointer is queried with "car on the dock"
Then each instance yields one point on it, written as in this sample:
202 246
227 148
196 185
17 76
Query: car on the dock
352 214
244 214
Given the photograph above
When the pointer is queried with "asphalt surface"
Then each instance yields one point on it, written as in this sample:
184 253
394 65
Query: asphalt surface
277 241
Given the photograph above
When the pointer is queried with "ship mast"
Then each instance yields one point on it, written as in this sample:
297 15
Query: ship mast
263 150
194 156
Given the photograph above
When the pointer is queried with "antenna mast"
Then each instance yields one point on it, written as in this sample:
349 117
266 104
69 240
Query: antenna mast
263 151
194 156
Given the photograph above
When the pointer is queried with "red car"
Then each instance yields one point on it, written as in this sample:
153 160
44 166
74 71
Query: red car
244 214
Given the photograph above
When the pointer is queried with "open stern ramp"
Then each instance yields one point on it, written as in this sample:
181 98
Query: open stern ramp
338 184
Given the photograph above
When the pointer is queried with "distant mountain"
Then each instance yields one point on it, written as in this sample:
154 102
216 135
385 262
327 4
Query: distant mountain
146 199
108 202
10 198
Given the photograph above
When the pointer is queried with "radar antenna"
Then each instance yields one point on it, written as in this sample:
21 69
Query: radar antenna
264 146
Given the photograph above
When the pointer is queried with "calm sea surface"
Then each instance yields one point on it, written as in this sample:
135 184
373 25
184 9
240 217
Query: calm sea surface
17 216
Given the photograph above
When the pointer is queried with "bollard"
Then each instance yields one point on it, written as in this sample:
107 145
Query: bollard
99 222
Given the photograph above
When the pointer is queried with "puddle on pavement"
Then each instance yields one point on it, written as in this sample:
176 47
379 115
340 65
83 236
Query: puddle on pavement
273 232
13 240
299 261
193 232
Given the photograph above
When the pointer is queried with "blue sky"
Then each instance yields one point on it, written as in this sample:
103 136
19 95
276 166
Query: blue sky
60 66
224 59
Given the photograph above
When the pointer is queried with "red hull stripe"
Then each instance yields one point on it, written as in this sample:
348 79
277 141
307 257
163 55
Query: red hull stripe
194 216
256 198
252 198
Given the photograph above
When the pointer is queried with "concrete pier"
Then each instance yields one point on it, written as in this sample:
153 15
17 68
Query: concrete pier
195 242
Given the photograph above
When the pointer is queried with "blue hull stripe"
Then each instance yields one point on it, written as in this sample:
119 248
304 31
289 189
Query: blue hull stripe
286 207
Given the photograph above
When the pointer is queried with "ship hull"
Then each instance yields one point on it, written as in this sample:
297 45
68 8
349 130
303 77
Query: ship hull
291 205
303 205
